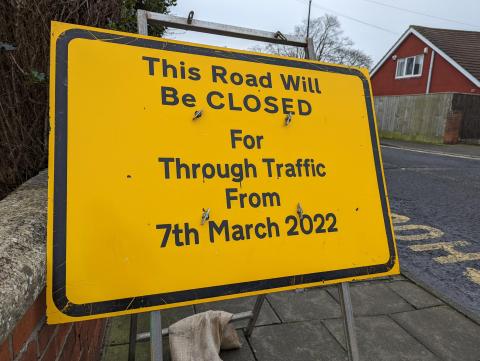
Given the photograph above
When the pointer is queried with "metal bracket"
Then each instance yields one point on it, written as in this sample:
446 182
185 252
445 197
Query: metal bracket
299 211
205 215
197 114
279 35
190 17
288 118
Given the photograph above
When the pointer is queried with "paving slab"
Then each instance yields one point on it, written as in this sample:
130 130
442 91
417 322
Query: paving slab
119 330
172 315
312 304
120 352
242 354
396 320
415 295
267 315
446 332
379 338
302 341
142 352
374 298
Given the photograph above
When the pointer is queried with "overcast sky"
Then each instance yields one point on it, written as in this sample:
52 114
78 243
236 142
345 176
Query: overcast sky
386 22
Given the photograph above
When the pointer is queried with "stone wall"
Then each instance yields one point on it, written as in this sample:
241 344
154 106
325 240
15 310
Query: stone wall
24 335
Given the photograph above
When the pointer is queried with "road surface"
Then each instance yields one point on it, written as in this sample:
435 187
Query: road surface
435 198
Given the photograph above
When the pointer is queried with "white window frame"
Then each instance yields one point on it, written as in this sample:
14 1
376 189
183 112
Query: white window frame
405 61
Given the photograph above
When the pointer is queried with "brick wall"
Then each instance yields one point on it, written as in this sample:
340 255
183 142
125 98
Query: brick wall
33 340
452 127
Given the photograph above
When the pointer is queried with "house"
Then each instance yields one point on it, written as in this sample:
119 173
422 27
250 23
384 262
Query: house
429 61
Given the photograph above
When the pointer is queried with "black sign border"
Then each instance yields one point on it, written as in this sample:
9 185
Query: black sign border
60 183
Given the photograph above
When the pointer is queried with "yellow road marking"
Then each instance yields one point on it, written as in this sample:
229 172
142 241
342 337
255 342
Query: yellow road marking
398 218
473 274
454 256
431 232
449 247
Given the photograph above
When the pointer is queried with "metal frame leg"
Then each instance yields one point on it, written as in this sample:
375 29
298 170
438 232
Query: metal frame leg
142 22
255 313
156 346
132 343
348 321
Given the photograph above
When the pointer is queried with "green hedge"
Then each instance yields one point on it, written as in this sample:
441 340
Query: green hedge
25 24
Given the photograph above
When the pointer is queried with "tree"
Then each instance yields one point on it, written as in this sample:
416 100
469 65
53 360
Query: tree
25 25
126 20
329 43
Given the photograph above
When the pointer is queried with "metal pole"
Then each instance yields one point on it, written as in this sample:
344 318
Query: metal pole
308 18
156 341
145 336
132 344
255 314
348 321
156 346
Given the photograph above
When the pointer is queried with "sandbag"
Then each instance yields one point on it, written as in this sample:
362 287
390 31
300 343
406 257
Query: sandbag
200 337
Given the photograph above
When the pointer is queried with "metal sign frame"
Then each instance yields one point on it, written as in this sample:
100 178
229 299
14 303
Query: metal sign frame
60 301
146 17
156 331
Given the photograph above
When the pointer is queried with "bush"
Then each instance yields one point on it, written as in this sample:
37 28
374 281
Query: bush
24 72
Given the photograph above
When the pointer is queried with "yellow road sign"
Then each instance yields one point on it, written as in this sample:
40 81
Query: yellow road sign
182 173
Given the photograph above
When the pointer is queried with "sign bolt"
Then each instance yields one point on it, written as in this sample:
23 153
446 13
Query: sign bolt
197 114
190 17
288 118
300 211
205 215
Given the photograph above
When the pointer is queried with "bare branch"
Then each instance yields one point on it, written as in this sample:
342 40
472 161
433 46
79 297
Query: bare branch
330 44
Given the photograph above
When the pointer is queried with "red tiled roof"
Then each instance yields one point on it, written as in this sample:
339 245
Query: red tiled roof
462 46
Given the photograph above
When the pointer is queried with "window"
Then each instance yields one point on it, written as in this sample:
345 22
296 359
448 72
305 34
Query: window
409 67
417 69
400 67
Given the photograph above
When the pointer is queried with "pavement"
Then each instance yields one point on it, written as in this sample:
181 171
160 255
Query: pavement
434 314
395 320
